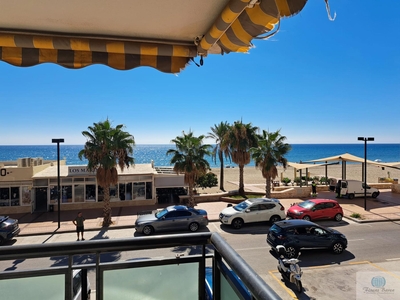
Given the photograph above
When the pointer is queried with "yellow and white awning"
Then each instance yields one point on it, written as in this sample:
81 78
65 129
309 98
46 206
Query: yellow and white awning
29 50
242 20
162 35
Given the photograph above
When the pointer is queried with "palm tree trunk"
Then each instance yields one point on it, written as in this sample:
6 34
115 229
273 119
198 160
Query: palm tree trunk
221 173
268 187
241 183
192 202
106 208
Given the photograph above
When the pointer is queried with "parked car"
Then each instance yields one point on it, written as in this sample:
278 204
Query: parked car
77 285
315 209
9 229
177 217
302 234
252 210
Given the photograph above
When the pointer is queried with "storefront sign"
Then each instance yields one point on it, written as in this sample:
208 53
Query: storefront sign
78 171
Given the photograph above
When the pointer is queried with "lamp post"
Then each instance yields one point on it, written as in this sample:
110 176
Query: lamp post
365 139
58 141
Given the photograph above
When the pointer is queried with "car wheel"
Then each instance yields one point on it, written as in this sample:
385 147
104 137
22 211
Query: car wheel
374 195
148 230
237 223
307 218
338 217
351 196
275 218
291 252
337 248
193 227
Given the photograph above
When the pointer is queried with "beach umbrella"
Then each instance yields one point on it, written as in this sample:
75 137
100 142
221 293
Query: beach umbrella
165 35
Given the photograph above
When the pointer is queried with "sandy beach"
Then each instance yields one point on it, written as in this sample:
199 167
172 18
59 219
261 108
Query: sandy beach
253 176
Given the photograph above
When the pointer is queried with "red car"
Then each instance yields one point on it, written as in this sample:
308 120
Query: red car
315 209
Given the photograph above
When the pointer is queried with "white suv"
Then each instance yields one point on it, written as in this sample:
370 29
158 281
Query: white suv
253 210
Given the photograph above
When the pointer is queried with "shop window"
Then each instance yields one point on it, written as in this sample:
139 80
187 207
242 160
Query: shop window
113 193
26 195
5 196
139 191
66 194
90 192
128 191
53 194
15 196
149 194
79 193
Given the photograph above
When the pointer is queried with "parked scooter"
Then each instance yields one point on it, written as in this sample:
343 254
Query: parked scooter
289 268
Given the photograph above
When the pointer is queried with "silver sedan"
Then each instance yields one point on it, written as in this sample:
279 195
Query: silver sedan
172 218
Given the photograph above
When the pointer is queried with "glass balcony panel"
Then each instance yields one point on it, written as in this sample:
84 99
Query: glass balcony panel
156 282
50 287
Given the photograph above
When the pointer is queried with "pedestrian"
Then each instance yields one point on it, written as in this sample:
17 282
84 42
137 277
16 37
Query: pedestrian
78 222
314 189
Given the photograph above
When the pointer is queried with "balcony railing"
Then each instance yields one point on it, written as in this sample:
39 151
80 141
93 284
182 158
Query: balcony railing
216 270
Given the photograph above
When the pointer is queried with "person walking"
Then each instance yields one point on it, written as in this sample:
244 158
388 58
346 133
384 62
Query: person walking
78 222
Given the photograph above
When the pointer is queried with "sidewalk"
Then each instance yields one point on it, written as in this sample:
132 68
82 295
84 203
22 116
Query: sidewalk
385 208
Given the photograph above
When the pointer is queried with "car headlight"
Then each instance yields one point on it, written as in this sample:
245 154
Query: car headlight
343 236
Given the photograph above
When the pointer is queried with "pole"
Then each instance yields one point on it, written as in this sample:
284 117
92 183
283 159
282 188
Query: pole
365 174
58 141
365 139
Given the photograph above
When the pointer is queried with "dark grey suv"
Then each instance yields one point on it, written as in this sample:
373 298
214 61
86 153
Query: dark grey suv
9 229
301 234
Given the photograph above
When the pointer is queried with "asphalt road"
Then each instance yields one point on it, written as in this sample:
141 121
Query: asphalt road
373 247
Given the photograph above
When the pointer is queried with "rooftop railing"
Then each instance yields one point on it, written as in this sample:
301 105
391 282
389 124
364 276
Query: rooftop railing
214 271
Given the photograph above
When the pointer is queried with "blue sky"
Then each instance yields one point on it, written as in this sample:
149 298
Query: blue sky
318 81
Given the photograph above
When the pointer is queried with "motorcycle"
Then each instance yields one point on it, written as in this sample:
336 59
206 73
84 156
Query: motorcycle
289 268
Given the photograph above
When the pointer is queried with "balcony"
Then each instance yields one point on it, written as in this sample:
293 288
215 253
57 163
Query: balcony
212 271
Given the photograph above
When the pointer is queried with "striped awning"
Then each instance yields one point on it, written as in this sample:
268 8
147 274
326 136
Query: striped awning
29 50
243 20
226 29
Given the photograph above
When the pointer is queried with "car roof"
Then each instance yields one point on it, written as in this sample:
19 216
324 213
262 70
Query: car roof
322 200
177 207
263 200
294 223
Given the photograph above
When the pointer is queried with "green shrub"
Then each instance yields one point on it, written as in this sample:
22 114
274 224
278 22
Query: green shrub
356 216
207 181
286 180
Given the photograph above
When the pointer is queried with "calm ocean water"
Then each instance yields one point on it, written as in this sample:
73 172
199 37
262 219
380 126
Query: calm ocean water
157 153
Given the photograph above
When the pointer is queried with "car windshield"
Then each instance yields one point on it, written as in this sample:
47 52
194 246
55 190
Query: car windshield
307 204
241 206
161 213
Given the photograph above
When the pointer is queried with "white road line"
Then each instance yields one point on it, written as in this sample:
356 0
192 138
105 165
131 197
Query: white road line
255 248
217 227
390 259
356 240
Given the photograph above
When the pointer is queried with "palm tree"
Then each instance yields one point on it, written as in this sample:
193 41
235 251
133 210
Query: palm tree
105 149
269 153
218 134
239 139
188 158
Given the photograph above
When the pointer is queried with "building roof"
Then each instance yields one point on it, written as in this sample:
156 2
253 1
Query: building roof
126 34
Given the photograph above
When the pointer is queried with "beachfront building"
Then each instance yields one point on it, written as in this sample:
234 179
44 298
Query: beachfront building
31 184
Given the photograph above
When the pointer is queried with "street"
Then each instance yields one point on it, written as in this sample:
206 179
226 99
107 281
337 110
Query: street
373 247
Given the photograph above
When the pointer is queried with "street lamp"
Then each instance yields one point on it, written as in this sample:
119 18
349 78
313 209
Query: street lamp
365 139
58 141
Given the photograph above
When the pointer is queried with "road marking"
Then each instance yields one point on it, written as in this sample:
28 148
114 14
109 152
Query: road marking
384 270
217 227
390 259
289 291
356 240
255 248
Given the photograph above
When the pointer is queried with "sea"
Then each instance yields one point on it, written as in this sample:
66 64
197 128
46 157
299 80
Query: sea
144 154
